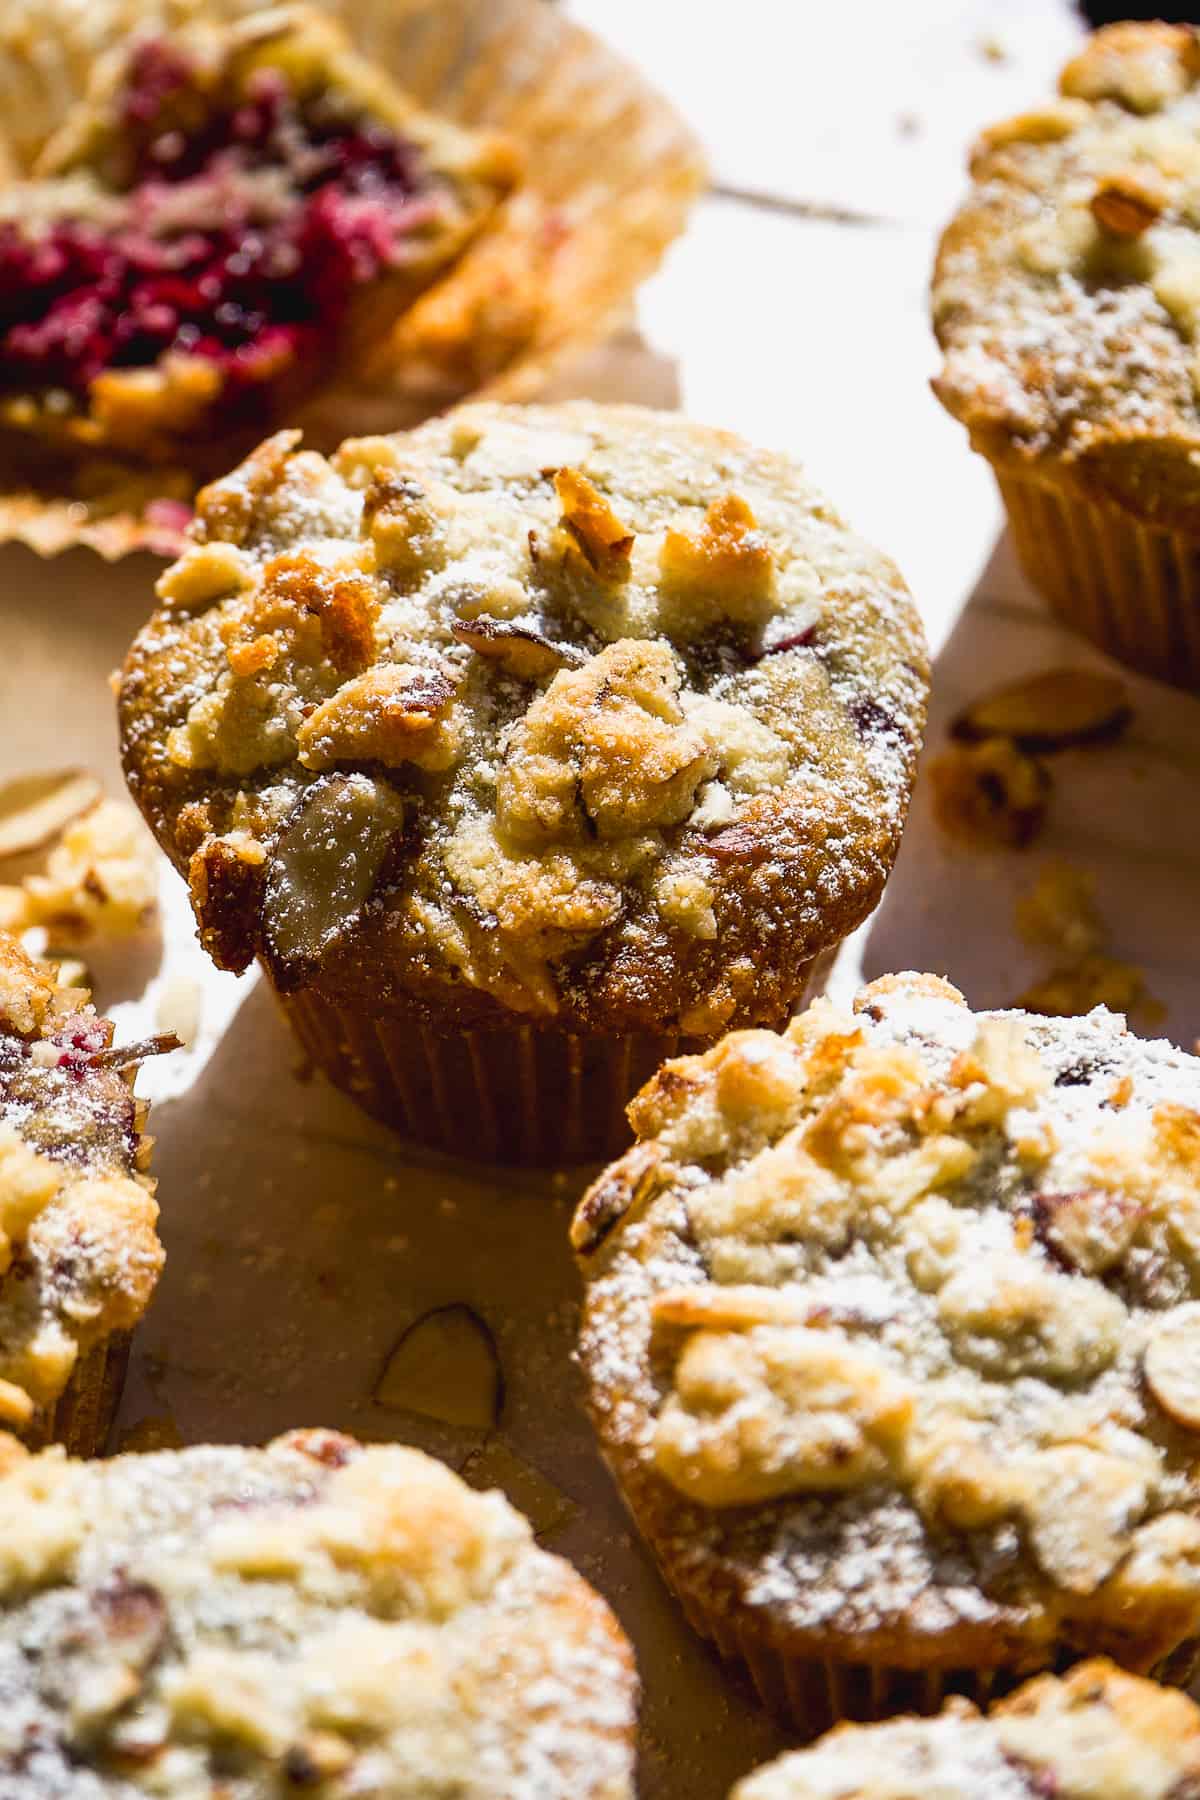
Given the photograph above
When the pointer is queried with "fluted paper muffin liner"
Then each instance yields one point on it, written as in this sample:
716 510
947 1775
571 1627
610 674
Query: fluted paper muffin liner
1132 588
525 1094
813 1693
610 172
84 1412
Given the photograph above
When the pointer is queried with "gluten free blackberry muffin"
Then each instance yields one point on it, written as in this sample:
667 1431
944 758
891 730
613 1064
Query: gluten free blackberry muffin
523 749
313 1616
892 1337
1066 297
234 215
79 1254
1096 1735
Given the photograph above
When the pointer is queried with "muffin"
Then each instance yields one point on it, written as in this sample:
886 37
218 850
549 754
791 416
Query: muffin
524 749
1094 1735
1067 300
79 1254
314 1615
892 1340
234 215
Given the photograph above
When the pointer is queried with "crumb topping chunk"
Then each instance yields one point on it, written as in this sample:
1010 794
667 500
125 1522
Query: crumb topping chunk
941 1270
79 1253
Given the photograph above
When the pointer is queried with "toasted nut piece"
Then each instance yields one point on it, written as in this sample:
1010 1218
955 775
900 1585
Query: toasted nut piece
989 793
1088 1231
445 1367
35 809
1051 711
226 876
123 1056
618 1193
320 1757
732 1308
133 1616
329 857
16 1406
1171 1364
520 651
593 524
496 1465
1126 205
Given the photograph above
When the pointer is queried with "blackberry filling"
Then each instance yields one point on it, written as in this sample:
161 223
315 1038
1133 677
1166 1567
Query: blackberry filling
235 235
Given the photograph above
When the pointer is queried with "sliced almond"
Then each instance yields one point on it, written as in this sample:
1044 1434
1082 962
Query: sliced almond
1052 711
1126 205
497 1465
520 651
1171 1365
445 1367
712 1308
36 809
1088 1231
327 862
16 1407
593 524
619 1192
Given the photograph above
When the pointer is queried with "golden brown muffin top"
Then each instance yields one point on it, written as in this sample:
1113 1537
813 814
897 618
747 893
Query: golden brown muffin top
895 1317
1067 289
586 711
1098 1734
79 1254
310 1616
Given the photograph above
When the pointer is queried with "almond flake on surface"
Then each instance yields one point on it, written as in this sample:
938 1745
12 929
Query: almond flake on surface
446 1367
1055 710
36 809
179 1008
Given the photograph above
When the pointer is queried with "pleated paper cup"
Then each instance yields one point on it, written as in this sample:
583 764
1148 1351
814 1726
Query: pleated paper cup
83 1415
515 1093
610 171
1132 587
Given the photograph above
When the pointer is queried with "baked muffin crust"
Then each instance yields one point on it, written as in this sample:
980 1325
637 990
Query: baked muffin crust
1067 289
891 1333
1096 1735
577 712
79 1254
310 1616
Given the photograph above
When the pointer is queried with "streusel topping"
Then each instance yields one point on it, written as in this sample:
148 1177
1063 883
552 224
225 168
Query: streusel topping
79 1254
1067 291
1097 1735
575 670
314 1615
941 1271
